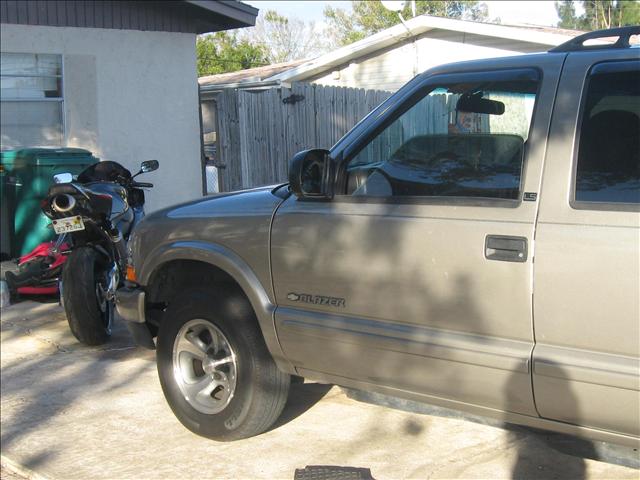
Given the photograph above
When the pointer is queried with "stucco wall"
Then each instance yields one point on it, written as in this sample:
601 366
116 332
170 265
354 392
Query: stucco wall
393 67
128 96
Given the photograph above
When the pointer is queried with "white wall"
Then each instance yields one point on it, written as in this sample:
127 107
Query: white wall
129 96
391 68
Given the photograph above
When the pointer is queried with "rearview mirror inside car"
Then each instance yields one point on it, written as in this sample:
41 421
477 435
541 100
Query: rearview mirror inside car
474 103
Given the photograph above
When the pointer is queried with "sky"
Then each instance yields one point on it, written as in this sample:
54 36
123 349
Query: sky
509 12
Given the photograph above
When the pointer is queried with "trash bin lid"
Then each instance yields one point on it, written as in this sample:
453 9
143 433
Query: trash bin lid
52 157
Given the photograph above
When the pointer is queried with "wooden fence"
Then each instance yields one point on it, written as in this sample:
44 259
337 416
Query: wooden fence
259 131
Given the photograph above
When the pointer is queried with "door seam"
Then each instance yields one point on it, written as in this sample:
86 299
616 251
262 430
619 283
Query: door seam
534 234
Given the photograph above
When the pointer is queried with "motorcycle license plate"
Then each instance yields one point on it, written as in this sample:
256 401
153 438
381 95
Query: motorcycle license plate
69 224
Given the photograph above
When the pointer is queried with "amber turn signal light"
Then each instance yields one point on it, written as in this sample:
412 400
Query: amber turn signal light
131 274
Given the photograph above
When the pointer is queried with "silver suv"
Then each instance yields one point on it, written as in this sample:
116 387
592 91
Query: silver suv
473 243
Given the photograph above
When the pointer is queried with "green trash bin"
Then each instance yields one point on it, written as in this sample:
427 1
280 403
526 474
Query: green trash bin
31 175
7 192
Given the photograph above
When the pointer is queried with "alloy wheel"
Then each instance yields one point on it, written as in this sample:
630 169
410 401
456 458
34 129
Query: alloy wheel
204 366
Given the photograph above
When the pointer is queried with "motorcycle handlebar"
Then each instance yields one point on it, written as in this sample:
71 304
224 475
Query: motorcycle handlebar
141 185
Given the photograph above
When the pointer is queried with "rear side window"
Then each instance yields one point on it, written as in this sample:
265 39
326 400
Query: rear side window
608 168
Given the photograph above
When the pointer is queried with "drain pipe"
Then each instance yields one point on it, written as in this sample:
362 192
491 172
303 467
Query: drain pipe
415 46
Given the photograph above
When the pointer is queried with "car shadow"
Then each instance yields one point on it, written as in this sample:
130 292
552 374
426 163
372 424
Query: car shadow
36 298
573 450
302 397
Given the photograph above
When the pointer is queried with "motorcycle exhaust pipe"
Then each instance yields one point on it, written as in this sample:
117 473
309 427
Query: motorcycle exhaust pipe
63 203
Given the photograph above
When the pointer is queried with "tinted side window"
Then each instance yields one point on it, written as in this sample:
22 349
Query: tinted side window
608 169
458 140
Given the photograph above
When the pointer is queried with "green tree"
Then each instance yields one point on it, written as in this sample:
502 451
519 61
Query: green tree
598 14
369 17
223 52
567 14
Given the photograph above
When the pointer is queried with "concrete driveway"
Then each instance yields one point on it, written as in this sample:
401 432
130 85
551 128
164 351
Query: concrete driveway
70 411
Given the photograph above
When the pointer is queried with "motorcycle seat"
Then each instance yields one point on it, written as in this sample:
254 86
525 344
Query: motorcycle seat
61 188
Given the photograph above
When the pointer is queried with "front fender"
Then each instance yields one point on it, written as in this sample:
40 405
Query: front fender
226 260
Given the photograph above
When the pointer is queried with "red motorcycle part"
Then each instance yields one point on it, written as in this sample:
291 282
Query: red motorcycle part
51 261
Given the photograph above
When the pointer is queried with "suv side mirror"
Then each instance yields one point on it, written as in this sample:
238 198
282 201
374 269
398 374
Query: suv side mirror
310 174
149 166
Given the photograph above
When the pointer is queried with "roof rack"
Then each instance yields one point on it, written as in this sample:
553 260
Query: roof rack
577 44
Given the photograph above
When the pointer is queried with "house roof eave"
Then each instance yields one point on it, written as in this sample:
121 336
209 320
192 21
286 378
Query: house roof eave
208 90
236 14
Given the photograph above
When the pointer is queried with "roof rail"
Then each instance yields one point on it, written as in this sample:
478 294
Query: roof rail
577 44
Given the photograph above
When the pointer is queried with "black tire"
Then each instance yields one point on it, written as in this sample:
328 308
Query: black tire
88 322
261 389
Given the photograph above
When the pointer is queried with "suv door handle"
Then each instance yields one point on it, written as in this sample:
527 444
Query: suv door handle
505 248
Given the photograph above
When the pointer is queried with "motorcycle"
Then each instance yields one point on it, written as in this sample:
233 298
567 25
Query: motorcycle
97 212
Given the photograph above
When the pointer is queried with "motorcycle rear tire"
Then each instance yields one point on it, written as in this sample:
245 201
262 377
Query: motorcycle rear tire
88 322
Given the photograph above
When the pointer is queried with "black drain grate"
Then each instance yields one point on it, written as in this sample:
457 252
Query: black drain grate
330 472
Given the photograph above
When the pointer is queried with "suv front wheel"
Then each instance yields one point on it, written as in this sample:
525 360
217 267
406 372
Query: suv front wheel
215 370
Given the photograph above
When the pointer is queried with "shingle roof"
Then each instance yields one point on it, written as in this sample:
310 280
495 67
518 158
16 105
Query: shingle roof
250 74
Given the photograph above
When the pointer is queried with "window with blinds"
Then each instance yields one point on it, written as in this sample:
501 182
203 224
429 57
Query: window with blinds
31 100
